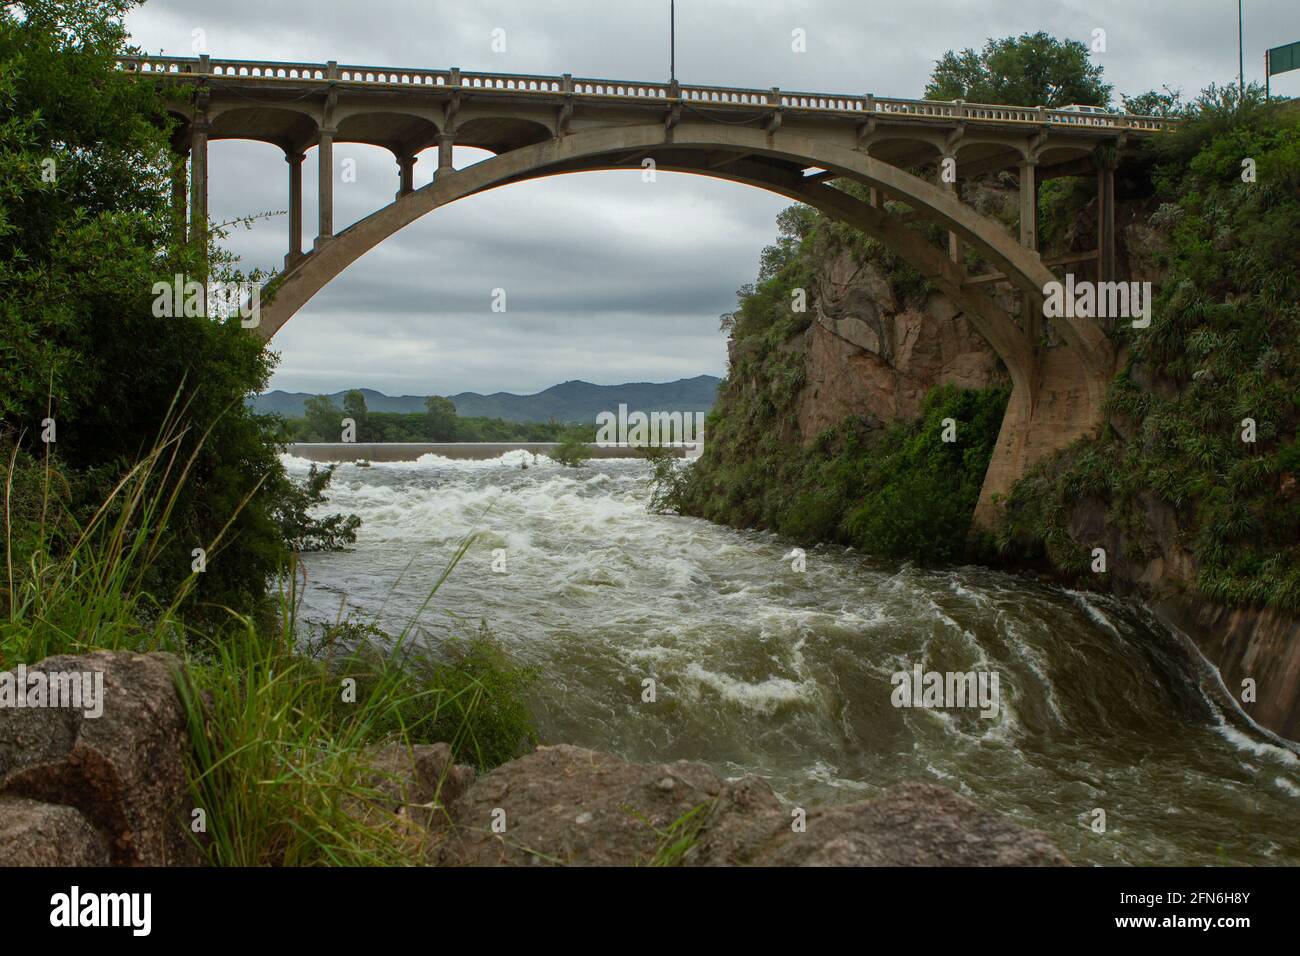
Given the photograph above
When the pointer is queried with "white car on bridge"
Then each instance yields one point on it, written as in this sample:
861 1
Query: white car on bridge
1086 115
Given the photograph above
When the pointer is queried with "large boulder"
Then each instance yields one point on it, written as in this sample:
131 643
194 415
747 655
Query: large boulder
914 824
48 834
412 783
570 806
123 770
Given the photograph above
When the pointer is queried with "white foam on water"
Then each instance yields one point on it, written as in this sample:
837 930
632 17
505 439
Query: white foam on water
1093 611
1286 786
1249 744
1032 658
763 697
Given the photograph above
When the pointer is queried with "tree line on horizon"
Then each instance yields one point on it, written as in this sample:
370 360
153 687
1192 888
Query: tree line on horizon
323 421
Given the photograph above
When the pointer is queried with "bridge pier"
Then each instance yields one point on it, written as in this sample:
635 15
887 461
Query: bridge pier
1029 204
180 196
445 143
295 161
1105 221
199 181
325 185
405 175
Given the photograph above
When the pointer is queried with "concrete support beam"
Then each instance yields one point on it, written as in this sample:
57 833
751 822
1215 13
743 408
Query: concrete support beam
295 161
1105 223
955 251
199 181
325 186
180 197
406 175
1029 205
445 143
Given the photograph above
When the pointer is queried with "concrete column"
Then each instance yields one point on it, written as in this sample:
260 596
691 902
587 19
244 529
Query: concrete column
406 175
954 244
445 143
199 181
180 197
1029 204
1105 223
295 161
325 186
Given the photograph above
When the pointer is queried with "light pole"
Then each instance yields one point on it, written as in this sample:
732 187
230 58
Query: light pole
672 40
1241 55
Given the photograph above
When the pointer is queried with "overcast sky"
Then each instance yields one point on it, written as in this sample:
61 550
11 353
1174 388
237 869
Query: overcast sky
608 279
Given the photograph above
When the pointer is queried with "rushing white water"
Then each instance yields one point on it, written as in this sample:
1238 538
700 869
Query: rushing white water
762 669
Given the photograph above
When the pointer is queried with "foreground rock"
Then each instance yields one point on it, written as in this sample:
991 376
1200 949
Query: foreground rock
571 806
79 790
74 788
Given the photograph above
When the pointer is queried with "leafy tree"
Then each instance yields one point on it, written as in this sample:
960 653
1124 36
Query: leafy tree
1029 70
1156 103
322 419
354 407
440 418
572 452
86 231
305 533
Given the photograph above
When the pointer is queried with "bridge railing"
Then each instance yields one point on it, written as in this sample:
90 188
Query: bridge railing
710 97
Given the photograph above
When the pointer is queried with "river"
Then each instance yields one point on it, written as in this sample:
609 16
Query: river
762 669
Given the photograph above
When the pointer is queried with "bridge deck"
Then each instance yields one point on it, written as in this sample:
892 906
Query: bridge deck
267 73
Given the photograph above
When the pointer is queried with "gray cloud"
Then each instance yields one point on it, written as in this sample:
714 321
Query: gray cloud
607 278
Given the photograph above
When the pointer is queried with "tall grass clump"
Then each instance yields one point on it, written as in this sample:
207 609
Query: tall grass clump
283 726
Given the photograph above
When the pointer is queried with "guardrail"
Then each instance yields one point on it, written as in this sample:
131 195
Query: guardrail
711 97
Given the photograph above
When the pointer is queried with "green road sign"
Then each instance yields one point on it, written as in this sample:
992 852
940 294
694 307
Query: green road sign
1280 59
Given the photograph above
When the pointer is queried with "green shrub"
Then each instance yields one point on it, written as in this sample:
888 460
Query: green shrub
571 452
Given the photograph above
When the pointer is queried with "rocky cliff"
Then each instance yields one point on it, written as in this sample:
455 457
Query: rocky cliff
869 354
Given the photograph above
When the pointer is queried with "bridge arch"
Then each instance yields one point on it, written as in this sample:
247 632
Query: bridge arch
596 149
775 161
278 125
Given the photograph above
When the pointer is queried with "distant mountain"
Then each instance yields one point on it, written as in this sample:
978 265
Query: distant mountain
568 402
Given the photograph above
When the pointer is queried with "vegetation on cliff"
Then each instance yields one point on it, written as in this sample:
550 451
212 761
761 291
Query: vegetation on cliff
1223 347
899 490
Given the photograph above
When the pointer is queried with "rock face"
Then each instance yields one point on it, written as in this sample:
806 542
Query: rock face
570 806
49 834
77 789
417 783
869 355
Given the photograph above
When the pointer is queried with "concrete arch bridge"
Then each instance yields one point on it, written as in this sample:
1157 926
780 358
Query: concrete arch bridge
789 143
